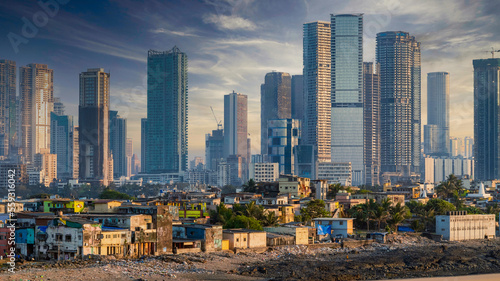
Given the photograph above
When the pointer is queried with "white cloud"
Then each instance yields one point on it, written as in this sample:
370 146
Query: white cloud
173 32
229 22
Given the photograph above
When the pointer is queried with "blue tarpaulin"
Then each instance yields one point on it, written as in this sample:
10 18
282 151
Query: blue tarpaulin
405 229
324 229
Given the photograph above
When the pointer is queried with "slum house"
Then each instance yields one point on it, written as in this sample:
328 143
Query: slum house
244 238
188 236
142 232
66 238
300 234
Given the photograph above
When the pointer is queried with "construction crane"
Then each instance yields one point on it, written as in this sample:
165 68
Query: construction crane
219 123
493 51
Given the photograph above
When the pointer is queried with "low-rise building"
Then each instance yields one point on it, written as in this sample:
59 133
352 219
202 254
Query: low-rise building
294 185
336 226
456 226
300 234
244 238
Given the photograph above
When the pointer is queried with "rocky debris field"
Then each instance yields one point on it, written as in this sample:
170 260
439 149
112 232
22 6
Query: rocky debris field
405 256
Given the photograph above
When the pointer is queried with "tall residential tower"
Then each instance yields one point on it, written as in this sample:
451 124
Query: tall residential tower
486 116
93 120
37 93
167 121
317 88
398 54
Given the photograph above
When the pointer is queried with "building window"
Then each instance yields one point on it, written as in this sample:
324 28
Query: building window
341 223
59 237
237 239
68 238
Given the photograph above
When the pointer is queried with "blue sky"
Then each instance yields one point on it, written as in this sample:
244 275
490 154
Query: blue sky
232 44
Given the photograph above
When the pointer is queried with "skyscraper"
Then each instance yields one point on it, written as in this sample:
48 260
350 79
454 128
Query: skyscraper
468 147
284 136
37 92
7 106
275 102
317 81
347 92
437 130
117 143
144 122
129 152
58 106
399 56
371 104
61 143
235 125
486 116
298 101
167 121
214 149
93 119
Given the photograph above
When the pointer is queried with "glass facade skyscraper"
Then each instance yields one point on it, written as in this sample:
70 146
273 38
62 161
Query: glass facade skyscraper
437 130
7 106
117 143
317 88
398 54
486 116
283 137
167 121
61 143
347 93
275 102
298 101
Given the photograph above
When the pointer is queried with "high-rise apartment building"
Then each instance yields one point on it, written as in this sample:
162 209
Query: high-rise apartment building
298 101
437 130
93 120
317 88
7 107
468 147
347 92
486 116
167 121
235 125
371 104
117 143
283 137
58 106
37 93
61 143
129 152
398 54
456 147
275 102
144 122
214 149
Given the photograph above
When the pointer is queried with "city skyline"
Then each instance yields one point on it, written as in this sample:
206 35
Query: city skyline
240 51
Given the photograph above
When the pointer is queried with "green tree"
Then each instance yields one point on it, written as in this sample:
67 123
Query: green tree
270 219
398 214
244 222
250 186
314 209
113 194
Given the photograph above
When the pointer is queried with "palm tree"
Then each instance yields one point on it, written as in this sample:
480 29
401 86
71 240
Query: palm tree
270 219
398 214
369 213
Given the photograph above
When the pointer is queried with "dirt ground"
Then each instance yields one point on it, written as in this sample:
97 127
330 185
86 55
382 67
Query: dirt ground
403 257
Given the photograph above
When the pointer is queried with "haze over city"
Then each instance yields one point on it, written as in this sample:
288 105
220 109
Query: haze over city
231 45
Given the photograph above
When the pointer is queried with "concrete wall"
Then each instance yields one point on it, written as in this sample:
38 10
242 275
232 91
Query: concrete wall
163 230
301 233
465 227
257 239
237 239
